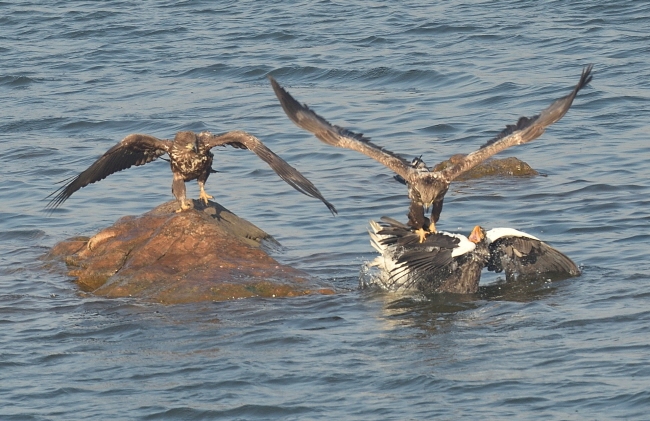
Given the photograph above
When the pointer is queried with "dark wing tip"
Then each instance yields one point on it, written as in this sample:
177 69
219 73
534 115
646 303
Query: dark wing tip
551 114
134 149
307 119
57 200
290 105
330 207
274 83
59 194
286 172
64 192
585 78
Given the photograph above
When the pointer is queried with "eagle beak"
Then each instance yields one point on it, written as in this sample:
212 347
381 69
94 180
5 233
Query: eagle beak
477 235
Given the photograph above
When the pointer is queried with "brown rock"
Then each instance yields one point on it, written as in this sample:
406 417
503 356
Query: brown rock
504 167
207 253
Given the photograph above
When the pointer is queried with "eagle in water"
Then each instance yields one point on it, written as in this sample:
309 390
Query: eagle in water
450 262
426 187
190 158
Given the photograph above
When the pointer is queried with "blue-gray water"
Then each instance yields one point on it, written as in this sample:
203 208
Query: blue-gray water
419 77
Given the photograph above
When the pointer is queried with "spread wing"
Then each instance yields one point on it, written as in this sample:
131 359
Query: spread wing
135 149
427 259
243 140
526 130
411 260
523 257
337 136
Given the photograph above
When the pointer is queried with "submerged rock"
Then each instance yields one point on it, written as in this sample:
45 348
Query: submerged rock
493 167
207 253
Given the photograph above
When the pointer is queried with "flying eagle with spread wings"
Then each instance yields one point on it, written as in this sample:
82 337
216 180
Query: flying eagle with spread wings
190 159
427 188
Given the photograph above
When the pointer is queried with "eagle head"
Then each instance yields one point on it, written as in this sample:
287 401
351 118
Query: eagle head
428 188
188 140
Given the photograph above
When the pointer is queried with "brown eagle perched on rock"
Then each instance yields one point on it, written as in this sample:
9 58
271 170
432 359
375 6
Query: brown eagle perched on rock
190 159
426 188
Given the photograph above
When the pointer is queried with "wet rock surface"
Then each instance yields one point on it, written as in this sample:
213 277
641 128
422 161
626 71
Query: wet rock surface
207 253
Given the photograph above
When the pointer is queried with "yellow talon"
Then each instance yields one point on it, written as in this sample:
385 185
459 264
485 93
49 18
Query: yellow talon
422 234
184 206
432 227
204 196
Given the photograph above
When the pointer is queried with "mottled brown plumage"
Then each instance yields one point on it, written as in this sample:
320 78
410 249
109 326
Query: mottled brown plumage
426 188
190 159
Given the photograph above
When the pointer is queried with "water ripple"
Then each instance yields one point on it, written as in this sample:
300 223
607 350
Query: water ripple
419 78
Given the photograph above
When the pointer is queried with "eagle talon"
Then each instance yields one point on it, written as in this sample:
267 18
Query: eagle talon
432 228
422 233
204 196
184 206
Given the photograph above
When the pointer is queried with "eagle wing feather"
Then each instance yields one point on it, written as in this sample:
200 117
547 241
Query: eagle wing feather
243 140
133 150
526 130
337 136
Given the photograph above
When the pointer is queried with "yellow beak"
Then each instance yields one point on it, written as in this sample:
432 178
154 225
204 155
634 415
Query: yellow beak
477 235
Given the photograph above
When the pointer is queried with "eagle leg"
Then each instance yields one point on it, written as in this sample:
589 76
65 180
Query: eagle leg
203 195
178 190
185 205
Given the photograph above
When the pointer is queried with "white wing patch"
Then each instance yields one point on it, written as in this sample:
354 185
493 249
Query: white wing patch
496 233
465 246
